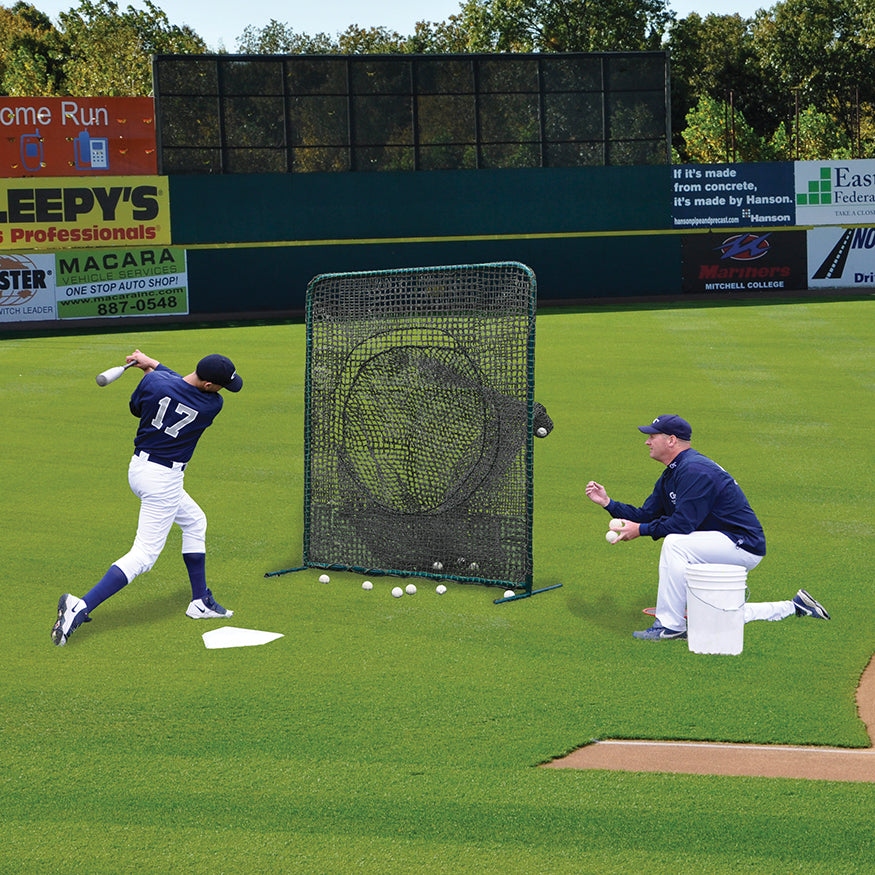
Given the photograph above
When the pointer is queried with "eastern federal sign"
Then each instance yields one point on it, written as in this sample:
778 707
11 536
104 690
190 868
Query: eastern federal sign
52 214
732 195
835 192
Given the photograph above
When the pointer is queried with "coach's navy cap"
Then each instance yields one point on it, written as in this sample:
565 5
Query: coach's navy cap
220 370
669 424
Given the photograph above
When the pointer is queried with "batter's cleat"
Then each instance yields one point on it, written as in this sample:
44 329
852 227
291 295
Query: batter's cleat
72 614
658 632
206 608
806 606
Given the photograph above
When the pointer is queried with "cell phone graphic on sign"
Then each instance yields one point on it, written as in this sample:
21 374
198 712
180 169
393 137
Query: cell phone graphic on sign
32 151
90 153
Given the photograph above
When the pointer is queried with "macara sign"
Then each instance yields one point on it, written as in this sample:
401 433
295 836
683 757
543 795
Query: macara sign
77 136
59 213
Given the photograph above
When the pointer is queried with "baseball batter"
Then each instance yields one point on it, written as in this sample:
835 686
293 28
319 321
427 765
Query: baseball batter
173 411
702 517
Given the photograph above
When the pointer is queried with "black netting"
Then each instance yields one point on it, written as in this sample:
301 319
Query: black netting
419 422
410 112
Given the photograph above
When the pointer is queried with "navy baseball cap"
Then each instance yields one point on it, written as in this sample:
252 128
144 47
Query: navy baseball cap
219 369
669 424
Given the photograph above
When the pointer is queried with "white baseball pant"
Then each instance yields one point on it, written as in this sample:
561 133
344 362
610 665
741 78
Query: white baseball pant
708 548
163 502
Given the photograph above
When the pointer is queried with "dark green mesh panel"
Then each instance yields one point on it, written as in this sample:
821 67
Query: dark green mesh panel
419 422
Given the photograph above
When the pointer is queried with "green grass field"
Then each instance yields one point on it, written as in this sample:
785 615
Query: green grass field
403 736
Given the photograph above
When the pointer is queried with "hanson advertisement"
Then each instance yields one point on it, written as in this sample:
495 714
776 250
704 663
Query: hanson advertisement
732 195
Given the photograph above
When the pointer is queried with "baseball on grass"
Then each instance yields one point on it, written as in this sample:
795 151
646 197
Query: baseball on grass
616 525
410 589
440 589
324 578
509 593
612 537
397 592
367 585
541 432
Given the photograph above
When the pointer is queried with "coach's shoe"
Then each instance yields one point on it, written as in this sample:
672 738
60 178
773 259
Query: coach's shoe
806 606
206 608
72 614
658 632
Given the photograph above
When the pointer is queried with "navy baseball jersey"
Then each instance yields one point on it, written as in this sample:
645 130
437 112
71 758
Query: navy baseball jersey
695 494
173 414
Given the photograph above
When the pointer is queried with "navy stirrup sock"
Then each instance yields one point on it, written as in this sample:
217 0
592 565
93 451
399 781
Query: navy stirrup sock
196 564
111 582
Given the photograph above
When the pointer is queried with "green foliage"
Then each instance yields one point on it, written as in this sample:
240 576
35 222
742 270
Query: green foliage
714 57
428 37
716 134
277 38
403 736
823 49
109 50
818 50
818 139
564 25
30 48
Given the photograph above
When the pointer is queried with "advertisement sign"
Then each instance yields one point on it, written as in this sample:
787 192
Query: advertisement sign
732 195
27 288
77 136
93 284
121 282
835 192
744 261
841 258
55 213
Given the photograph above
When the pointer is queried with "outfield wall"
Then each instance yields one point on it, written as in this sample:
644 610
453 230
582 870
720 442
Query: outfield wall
583 233
245 246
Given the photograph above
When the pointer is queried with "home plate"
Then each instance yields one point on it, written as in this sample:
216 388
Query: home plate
232 636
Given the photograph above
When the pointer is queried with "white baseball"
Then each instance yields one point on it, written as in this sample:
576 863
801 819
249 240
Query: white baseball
616 525
612 537
367 585
542 432
410 589
397 592
440 589
324 578
508 593
437 566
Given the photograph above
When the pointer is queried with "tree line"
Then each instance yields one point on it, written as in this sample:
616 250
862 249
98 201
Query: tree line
796 81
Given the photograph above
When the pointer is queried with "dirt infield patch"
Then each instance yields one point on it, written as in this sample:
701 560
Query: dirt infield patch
766 761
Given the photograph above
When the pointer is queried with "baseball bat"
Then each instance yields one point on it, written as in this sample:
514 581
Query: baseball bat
112 374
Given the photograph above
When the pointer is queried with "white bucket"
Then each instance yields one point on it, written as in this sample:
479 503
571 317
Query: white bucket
716 595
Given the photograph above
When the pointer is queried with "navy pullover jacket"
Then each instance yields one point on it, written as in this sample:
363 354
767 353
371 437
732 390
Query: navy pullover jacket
696 494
